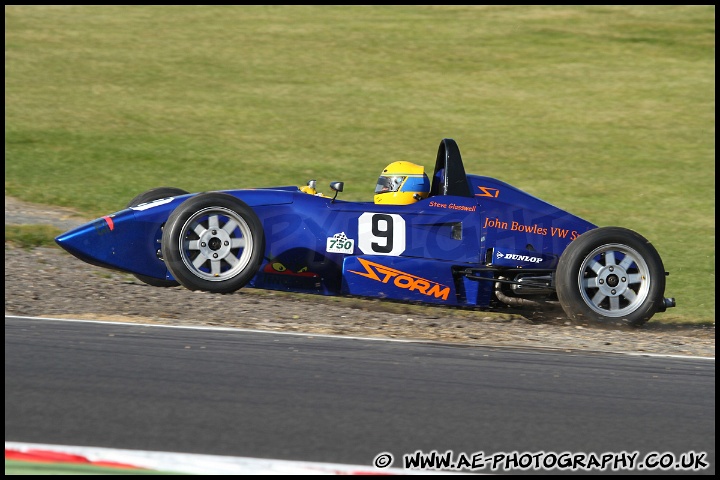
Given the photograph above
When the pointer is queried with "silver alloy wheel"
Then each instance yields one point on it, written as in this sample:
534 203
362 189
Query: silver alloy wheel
614 280
216 244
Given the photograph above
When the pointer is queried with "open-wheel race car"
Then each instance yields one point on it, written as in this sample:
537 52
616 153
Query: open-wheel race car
453 239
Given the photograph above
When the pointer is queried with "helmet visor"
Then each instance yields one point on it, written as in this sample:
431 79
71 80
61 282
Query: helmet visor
389 184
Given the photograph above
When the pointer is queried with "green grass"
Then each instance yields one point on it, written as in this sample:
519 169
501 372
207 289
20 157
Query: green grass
31 236
605 111
22 467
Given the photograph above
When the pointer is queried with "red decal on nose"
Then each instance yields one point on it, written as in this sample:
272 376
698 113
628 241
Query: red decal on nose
109 222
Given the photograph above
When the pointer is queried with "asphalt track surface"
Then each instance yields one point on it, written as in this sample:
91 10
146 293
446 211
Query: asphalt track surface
341 400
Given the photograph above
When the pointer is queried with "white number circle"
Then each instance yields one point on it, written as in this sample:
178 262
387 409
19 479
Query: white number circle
381 234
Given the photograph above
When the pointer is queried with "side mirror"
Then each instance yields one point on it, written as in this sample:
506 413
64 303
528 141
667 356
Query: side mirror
336 187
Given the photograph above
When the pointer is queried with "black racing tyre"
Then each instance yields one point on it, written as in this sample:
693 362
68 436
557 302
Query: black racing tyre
611 275
155 194
150 196
213 242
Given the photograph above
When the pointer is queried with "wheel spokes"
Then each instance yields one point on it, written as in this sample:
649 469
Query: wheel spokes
595 266
232 260
627 261
598 298
199 261
229 226
215 266
213 222
197 228
614 304
630 295
609 257
238 242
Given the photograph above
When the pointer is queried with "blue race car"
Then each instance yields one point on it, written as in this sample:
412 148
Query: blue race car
458 239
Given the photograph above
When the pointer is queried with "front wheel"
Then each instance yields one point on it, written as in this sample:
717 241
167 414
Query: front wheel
146 197
611 275
213 242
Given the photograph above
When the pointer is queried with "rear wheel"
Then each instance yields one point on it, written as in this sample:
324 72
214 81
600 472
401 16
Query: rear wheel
213 242
611 275
146 197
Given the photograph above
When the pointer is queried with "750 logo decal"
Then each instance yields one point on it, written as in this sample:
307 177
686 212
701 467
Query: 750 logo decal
340 243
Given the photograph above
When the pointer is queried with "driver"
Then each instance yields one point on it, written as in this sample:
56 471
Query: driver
402 183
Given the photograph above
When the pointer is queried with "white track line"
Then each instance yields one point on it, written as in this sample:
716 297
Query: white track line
377 339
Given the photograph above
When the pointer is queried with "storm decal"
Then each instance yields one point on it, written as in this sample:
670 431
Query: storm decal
400 279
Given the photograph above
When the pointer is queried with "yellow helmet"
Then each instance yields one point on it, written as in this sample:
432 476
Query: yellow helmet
402 183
